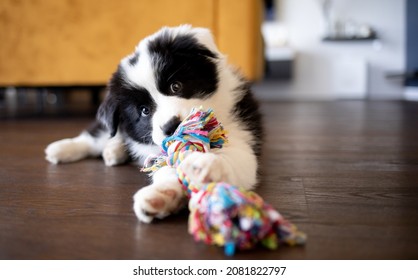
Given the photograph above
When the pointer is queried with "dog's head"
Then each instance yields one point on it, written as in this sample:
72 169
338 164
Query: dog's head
154 88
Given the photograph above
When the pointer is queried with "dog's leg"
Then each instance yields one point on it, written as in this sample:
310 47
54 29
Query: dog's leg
160 199
74 149
235 164
114 152
90 143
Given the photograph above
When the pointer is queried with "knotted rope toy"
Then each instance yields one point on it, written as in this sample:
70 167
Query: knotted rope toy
221 213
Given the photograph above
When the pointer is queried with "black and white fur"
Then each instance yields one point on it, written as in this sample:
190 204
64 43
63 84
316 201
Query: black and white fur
154 88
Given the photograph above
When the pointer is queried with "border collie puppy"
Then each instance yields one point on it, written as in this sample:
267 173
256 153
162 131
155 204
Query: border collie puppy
152 90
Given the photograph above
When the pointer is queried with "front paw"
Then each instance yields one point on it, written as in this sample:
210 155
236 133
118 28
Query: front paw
66 150
158 201
114 153
203 168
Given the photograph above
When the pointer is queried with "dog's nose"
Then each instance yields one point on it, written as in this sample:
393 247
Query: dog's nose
169 127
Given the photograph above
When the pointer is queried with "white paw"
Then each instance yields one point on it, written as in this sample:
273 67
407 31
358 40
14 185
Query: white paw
66 150
158 201
203 168
114 153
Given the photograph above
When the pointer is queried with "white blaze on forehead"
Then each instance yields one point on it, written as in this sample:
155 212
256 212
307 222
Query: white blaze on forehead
174 31
204 37
140 74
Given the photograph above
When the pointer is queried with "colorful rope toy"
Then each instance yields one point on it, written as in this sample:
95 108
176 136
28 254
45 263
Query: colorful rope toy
221 213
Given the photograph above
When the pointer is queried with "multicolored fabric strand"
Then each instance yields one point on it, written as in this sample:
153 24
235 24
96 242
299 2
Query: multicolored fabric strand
220 213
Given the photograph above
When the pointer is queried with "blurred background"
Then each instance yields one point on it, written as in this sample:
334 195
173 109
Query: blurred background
57 56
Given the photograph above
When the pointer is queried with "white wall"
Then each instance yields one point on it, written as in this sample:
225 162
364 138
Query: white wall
316 61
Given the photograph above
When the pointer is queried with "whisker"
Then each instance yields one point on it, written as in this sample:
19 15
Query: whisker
175 72
148 134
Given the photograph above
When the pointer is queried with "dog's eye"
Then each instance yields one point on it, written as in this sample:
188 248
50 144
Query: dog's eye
144 111
175 87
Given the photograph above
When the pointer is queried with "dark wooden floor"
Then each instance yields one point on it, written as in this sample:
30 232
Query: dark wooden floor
345 172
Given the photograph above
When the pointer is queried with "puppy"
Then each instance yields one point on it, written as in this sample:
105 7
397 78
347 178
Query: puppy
152 90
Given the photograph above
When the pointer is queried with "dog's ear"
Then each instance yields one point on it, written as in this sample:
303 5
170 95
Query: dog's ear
108 113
